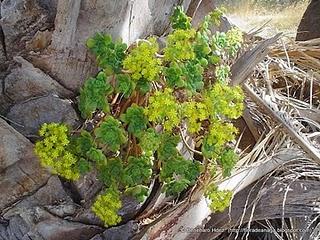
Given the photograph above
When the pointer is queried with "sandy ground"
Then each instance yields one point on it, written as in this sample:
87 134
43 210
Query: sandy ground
274 21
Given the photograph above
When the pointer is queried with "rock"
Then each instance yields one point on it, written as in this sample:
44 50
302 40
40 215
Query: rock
88 187
21 19
130 207
40 40
52 194
37 224
43 216
309 25
204 8
28 116
13 146
4 101
122 232
21 173
70 61
27 81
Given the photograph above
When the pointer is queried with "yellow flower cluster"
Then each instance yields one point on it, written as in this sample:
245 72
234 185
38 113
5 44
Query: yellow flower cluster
106 207
220 133
179 45
53 153
223 100
195 112
142 61
163 109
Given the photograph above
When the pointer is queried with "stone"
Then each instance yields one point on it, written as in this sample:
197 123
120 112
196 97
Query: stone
52 194
69 60
122 232
21 173
88 186
46 214
21 19
28 116
13 146
27 81
38 224
130 207
309 25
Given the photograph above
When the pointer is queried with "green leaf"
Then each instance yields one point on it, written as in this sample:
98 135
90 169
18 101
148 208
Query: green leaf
164 109
135 119
143 86
97 156
175 187
179 19
112 172
82 144
125 85
138 171
224 101
193 76
173 75
53 151
168 146
84 166
109 54
178 173
93 95
227 161
149 141
142 61
111 133
140 192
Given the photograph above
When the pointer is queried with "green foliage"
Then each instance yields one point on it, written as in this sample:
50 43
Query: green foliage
125 85
112 173
179 45
163 109
142 61
227 43
135 119
234 40
139 192
109 54
138 171
174 75
93 95
195 113
193 76
227 160
147 98
212 19
149 141
222 73
84 166
201 46
168 146
106 207
53 153
220 200
97 156
224 101
185 75
82 143
178 173
220 133
179 20
111 133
